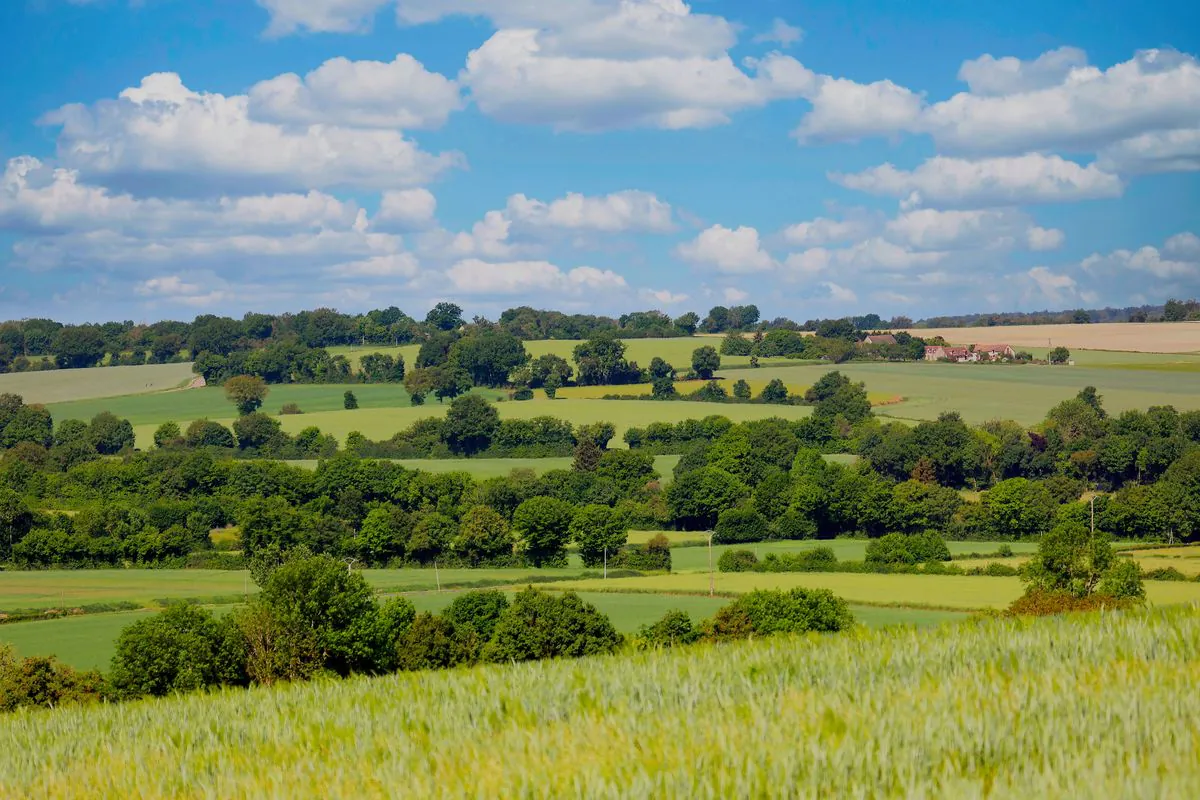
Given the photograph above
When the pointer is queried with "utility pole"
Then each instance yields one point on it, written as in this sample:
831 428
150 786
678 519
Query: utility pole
437 576
605 562
711 577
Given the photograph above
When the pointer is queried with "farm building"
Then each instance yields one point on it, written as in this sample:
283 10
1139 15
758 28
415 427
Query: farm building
994 352
939 352
880 338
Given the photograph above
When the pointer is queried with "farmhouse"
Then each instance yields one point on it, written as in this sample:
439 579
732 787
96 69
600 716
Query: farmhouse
994 352
939 352
880 338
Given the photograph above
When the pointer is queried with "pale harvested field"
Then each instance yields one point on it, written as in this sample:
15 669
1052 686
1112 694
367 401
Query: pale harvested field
1148 337
61 385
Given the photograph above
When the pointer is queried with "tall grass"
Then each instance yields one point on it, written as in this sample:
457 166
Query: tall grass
1091 706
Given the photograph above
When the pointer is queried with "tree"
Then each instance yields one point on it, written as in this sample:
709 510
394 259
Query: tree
741 389
599 432
257 431
672 629
246 392
1018 508
206 433
77 347
552 385
774 392
601 360
434 642
383 534
663 389
450 381
479 611
705 361
168 435
1059 355
538 625
445 317
418 384
717 320
542 525
698 497
349 401
735 344
661 369
542 367
686 323
489 356
736 525
16 520
1071 558
471 423
600 531
587 456
181 649
109 435
483 536
766 612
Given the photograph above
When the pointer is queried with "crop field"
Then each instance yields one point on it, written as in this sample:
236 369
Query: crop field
687 559
62 385
954 592
1106 702
983 392
383 423
1152 337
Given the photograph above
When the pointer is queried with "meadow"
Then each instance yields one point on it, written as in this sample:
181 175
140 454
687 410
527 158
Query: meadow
1104 701
63 385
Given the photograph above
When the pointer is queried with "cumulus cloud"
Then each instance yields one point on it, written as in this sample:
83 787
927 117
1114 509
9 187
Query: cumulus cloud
931 229
734 295
955 182
1052 286
1161 151
781 33
328 16
840 294
990 76
398 94
472 276
407 209
1179 260
727 250
843 109
614 213
163 134
823 231
394 265
664 296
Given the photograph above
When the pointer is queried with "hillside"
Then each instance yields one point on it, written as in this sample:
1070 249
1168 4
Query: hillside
1100 706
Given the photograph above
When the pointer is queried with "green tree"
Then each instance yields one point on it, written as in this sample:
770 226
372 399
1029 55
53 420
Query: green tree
741 389
206 433
663 389
471 423
246 392
1018 508
587 456
1070 558
767 612
736 525
674 628
599 531
450 381
538 625
705 361
445 317
542 525
483 535
110 435
383 535
698 497
489 356
686 323
181 649
349 401
167 435
77 347
661 369
735 344
16 520
258 431
1059 355
479 611
774 392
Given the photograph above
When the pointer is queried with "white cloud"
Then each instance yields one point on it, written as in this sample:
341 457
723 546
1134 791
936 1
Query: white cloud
809 262
1184 246
1161 151
782 33
395 265
930 229
843 109
1147 260
372 94
197 291
487 238
613 213
1052 286
840 294
728 250
472 276
823 230
734 295
1087 109
943 181
331 16
184 142
407 209
663 296
990 76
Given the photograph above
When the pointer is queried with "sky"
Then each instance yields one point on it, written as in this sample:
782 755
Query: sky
169 158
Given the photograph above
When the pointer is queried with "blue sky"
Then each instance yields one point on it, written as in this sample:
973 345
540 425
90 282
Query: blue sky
165 158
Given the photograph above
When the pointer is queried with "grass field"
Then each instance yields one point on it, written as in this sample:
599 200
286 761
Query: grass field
1106 706
61 385
957 592
1154 337
483 468
687 559
383 423
983 392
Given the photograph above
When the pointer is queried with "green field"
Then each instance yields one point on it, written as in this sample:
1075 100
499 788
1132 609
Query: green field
383 423
1022 393
1106 706
483 468
954 592
62 385
687 559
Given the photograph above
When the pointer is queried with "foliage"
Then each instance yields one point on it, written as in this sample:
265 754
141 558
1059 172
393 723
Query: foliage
599 531
673 629
705 361
697 498
246 392
737 525
767 612
181 649
470 424
349 401
539 625
542 526
38 682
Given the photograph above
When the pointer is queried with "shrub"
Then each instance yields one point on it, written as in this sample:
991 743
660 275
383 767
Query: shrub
1041 603
737 561
349 401
898 548
794 525
180 649
674 628
38 682
654 556
1123 580
1164 574
539 625
479 611
525 393
543 526
738 525
819 559
435 642
767 612
290 409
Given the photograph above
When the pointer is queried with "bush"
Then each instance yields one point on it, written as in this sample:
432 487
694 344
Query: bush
737 561
898 548
654 556
290 409
1041 603
38 682
480 611
349 401
539 625
435 642
738 525
525 393
1164 574
1123 580
794 525
767 612
819 559
181 649
674 628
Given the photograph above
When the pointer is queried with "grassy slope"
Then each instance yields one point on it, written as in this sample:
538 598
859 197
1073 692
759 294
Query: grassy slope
56 386
1175 337
1105 702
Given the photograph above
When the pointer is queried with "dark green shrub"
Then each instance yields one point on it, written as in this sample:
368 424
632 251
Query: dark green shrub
180 649
540 625
479 611
38 682
737 561
436 642
674 628
796 611
654 556
738 525
525 393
